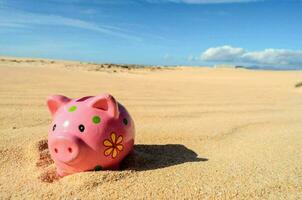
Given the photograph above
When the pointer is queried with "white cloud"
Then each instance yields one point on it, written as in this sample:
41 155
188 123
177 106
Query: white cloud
192 58
282 57
224 53
21 19
201 1
274 56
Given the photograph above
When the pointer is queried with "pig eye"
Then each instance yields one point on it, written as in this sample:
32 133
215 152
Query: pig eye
54 127
81 127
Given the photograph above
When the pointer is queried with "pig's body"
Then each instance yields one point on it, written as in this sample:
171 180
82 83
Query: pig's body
89 133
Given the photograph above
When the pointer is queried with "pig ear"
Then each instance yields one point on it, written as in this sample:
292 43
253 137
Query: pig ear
54 102
107 103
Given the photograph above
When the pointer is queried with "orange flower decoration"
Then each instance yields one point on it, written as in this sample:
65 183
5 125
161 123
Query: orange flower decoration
114 145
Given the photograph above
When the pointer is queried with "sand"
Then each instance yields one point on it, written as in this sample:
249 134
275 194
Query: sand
201 133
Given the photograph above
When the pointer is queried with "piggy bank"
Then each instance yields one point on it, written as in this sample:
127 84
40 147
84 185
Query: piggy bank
89 133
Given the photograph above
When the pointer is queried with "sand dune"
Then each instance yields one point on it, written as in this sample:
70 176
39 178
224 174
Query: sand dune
201 133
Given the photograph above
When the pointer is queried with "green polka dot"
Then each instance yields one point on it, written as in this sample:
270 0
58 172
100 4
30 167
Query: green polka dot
125 121
96 119
72 109
98 168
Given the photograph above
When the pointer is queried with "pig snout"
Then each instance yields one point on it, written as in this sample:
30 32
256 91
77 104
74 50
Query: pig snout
64 148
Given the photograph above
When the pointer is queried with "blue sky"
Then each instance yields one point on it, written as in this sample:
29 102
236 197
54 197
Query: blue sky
159 32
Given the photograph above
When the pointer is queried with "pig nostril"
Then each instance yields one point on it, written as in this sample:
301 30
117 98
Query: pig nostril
70 150
56 150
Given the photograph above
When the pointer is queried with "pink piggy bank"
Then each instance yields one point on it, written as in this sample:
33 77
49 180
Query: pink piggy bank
89 133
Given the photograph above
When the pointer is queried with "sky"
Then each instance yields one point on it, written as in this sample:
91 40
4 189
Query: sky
155 32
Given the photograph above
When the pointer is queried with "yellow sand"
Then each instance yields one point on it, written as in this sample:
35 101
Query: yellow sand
231 133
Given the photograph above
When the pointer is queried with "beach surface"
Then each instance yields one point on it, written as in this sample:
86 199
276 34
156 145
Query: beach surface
201 133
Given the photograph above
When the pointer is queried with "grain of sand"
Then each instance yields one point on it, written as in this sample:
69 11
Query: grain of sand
201 133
